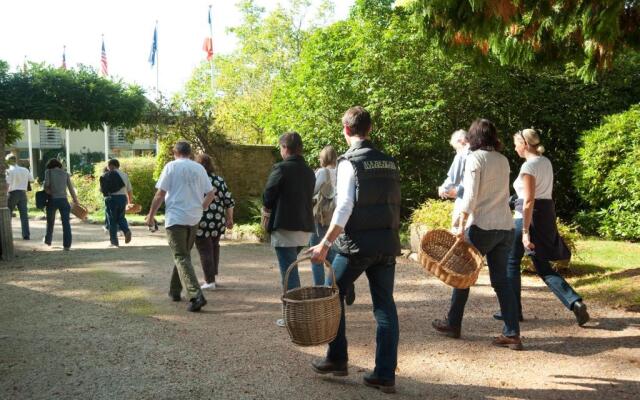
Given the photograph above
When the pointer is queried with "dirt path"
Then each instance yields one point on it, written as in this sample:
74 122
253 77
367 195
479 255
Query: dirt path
96 323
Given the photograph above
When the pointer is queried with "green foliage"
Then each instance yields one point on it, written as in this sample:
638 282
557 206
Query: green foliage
435 214
418 96
522 33
165 155
140 171
88 191
82 163
607 176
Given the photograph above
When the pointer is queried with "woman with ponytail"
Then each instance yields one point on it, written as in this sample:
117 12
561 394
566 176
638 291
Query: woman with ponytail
536 232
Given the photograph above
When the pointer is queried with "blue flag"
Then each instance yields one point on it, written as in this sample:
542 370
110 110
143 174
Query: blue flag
154 47
209 15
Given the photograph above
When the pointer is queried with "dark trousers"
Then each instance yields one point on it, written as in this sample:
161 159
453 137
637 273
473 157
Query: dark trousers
19 198
181 240
381 275
496 245
551 278
58 204
209 249
115 206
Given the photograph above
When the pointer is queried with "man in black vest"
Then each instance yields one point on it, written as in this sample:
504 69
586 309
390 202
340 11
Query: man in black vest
365 228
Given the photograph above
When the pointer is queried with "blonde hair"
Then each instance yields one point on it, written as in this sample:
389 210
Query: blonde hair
328 156
458 139
530 138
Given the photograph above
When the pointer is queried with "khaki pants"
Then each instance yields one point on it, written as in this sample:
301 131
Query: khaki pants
181 239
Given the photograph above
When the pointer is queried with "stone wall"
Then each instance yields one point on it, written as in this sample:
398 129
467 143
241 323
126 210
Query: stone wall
245 168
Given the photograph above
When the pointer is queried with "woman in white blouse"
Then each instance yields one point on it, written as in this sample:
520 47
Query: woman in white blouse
486 222
536 232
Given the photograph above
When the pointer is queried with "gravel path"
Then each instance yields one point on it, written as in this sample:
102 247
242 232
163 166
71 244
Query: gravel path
96 323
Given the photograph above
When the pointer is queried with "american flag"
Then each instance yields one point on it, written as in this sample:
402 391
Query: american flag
103 61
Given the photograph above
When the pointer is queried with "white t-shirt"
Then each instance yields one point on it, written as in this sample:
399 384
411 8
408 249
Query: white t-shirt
18 178
186 183
541 169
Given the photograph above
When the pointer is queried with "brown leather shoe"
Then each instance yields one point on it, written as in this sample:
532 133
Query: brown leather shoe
385 386
443 327
325 366
512 342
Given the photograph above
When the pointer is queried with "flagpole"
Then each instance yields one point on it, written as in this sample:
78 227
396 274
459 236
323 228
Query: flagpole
157 85
66 136
30 146
211 60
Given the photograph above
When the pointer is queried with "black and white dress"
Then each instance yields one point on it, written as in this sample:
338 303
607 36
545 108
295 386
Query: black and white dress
213 222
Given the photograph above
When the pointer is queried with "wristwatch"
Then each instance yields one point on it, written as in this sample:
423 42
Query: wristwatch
327 243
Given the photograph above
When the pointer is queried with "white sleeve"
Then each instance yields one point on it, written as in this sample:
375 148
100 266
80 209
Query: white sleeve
163 180
320 179
471 184
346 194
528 168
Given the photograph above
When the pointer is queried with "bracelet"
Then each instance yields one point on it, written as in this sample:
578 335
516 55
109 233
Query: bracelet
525 231
326 243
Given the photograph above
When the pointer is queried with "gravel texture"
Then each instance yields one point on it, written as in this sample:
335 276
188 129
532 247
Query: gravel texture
96 323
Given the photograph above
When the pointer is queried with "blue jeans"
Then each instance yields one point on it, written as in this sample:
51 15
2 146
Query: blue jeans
318 269
380 272
286 257
19 198
61 204
551 278
115 206
496 245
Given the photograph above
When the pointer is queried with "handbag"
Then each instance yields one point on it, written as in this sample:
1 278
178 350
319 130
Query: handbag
42 199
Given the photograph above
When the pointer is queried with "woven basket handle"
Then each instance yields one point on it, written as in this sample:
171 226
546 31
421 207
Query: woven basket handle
295 264
448 253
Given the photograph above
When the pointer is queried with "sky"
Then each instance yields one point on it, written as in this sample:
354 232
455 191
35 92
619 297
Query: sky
38 30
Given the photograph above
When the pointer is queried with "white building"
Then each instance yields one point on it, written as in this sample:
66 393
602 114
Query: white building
46 138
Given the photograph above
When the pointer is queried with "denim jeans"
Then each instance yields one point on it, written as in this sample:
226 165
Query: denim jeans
318 269
496 245
61 204
286 257
181 240
381 275
551 278
19 198
115 206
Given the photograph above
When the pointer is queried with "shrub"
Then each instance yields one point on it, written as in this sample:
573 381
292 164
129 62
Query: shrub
140 172
607 176
435 214
88 191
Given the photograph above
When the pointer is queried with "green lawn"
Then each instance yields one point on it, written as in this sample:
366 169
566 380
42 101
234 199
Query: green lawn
608 272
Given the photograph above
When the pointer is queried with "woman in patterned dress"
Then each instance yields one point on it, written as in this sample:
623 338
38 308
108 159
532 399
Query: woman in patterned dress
214 221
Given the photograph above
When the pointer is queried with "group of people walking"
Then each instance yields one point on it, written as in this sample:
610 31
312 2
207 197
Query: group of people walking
348 213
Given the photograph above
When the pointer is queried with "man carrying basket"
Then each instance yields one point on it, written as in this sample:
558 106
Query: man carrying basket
365 227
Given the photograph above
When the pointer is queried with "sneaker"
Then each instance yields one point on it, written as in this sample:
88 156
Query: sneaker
325 366
208 286
443 327
384 385
280 322
196 304
580 311
127 236
512 342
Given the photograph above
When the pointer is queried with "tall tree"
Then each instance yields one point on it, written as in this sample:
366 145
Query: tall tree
590 33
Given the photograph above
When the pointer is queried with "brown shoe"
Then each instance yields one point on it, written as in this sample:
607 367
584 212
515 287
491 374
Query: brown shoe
127 236
325 366
384 385
443 327
512 342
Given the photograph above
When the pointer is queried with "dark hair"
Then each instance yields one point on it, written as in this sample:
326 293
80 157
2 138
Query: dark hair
483 133
183 148
206 161
358 120
114 163
292 141
54 163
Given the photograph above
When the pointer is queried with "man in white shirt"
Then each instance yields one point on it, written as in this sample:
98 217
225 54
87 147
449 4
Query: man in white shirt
18 179
186 190
365 226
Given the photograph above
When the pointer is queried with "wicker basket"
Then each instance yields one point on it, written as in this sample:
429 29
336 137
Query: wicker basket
311 313
455 262
79 211
133 208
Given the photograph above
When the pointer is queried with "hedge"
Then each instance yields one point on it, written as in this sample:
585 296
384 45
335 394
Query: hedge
607 176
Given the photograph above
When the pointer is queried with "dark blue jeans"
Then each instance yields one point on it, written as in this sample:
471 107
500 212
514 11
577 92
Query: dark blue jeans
286 257
61 204
318 269
115 206
19 198
551 278
381 275
496 245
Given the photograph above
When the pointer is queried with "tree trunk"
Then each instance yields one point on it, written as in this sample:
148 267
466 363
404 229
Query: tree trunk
6 236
